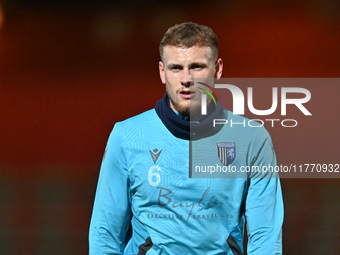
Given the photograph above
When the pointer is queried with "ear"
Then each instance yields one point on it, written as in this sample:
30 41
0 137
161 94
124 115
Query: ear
161 71
218 68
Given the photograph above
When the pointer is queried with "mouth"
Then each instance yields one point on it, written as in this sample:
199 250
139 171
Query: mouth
187 94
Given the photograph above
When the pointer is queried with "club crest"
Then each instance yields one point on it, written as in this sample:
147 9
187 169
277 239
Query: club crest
226 153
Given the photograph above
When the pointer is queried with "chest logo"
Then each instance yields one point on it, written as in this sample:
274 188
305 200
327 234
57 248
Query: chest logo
226 153
155 154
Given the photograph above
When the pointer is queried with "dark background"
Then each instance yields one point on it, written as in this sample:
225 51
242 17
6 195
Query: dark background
69 70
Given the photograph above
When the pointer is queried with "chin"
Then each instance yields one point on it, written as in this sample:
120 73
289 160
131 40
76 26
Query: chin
189 111
186 108
183 109
195 109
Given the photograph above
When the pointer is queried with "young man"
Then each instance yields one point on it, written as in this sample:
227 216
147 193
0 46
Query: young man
146 180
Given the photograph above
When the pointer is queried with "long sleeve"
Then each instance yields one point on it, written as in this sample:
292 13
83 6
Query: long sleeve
264 204
111 211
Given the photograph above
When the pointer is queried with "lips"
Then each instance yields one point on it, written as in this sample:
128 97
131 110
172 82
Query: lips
187 94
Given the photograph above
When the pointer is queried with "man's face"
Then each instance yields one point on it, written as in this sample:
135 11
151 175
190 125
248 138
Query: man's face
177 71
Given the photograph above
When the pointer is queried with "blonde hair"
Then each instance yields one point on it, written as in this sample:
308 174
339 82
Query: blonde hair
189 34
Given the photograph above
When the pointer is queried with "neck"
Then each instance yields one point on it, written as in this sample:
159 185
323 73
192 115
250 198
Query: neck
188 129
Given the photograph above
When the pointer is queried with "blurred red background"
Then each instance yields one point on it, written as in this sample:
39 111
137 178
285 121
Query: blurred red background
68 72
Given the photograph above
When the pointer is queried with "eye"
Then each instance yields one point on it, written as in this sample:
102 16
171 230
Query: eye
175 68
197 67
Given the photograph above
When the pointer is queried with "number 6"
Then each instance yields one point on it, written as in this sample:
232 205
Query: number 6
153 173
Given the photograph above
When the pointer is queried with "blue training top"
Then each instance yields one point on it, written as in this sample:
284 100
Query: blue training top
153 182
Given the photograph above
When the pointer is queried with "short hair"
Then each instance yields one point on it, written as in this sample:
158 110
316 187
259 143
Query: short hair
189 34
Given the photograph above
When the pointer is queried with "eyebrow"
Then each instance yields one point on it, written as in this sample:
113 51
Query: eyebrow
203 64
172 65
169 66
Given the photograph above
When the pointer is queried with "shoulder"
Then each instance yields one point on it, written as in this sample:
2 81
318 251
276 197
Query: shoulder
137 121
136 126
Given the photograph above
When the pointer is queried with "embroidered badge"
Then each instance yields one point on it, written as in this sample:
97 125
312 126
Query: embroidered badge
226 153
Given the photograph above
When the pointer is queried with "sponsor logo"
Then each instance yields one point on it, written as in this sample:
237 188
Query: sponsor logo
165 200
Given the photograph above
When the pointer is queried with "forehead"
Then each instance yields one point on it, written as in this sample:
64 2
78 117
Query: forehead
182 54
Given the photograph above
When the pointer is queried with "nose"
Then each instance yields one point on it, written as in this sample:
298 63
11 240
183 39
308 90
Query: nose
186 78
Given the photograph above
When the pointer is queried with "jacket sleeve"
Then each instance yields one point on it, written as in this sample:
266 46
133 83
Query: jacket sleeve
264 204
111 211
